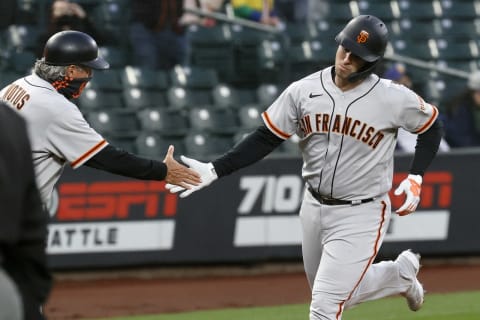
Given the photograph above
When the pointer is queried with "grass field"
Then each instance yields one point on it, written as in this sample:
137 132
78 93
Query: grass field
455 306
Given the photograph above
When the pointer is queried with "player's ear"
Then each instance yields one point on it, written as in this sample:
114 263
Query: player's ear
70 71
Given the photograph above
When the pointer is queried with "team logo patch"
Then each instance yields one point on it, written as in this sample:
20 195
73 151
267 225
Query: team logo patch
362 36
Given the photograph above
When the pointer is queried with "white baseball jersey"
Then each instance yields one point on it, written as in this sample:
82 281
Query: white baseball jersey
348 138
59 134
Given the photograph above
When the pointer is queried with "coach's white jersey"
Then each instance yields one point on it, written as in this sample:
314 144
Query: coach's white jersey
58 132
348 138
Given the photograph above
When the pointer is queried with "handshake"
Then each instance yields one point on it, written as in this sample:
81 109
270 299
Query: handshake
205 170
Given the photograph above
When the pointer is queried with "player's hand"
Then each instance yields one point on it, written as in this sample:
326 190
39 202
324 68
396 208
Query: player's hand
178 174
411 186
207 174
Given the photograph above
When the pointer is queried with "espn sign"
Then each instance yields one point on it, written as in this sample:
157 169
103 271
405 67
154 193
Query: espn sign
114 200
112 216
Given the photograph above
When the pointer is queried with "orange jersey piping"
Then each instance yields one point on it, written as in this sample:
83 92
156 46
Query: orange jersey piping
99 146
429 122
273 128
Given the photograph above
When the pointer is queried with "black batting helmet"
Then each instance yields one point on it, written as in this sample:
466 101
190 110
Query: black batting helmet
73 47
366 36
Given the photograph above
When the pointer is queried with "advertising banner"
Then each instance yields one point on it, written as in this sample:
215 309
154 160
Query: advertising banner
104 220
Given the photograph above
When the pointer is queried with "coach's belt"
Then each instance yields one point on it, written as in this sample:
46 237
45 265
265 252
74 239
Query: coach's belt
336 202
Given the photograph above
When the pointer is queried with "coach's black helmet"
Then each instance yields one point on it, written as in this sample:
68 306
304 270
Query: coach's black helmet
366 36
73 47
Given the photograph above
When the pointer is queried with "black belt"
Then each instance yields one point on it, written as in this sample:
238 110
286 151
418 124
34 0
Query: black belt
336 202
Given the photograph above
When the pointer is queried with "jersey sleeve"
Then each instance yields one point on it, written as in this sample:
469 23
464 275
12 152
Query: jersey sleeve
281 117
72 138
417 115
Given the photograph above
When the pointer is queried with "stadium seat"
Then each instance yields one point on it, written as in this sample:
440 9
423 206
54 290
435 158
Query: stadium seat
155 146
267 93
460 29
226 96
147 79
118 123
22 61
386 11
342 11
455 9
415 30
419 10
214 120
250 116
167 122
108 80
179 97
205 146
193 77
138 98
117 56
95 100
457 50
299 32
271 62
212 48
303 58
20 37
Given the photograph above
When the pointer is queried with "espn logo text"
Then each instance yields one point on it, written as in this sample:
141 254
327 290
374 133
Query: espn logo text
108 216
268 211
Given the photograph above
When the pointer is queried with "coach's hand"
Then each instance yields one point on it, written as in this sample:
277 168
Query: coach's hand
411 186
178 174
207 174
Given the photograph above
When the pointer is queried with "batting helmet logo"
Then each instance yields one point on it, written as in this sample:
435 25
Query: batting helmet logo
362 36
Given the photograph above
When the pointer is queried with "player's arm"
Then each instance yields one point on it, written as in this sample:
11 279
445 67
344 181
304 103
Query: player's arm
251 149
118 161
425 150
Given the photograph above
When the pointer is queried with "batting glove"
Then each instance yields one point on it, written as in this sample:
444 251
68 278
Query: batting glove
411 186
205 170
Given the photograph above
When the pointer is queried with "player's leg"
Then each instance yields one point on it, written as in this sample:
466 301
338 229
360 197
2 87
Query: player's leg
310 218
350 237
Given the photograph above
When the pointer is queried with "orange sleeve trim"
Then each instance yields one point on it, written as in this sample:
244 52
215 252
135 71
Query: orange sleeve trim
429 122
273 128
370 261
89 153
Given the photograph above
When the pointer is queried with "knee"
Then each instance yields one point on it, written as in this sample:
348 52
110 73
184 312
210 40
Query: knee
325 306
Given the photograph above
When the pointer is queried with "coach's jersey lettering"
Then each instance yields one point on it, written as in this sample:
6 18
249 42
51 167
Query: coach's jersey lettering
16 95
342 125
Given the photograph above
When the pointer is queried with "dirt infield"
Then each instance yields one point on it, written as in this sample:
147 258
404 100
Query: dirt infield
104 294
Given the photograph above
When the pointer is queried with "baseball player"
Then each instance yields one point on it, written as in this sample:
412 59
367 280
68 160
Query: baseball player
347 119
59 133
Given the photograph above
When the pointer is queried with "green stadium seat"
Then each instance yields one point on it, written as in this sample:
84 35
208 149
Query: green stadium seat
93 99
213 120
118 123
167 122
155 146
146 79
193 77
204 146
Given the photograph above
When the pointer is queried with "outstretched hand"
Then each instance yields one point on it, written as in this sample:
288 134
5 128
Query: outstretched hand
207 174
178 174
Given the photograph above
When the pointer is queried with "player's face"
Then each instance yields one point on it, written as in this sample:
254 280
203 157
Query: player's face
346 63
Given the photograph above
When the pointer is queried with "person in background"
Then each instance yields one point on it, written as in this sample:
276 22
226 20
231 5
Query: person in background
462 121
157 38
204 5
25 280
407 141
261 11
67 15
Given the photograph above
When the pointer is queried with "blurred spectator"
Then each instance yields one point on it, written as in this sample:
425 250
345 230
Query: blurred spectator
157 39
66 15
462 124
292 11
261 11
407 141
204 5
7 13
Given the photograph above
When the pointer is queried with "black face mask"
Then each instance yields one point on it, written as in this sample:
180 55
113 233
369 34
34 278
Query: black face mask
71 88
